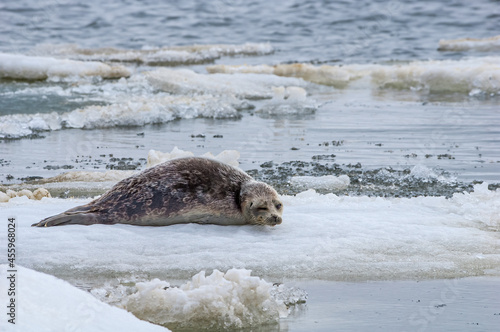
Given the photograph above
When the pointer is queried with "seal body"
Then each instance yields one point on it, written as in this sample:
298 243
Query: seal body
185 190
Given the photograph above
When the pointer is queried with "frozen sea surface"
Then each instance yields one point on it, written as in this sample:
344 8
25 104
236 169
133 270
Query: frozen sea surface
322 237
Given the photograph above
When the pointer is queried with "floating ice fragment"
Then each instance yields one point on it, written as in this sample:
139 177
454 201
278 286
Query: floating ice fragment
156 157
327 182
228 300
248 86
38 194
174 55
227 156
288 295
290 100
336 76
41 193
470 44
4 197
90 176
461 76
134 111
40 68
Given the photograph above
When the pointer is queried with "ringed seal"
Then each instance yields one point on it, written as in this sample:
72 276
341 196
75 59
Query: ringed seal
185 190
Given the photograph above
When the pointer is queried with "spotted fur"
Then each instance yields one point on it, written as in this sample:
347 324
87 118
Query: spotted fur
183 190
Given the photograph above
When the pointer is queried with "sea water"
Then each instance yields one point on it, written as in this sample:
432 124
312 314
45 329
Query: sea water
377 122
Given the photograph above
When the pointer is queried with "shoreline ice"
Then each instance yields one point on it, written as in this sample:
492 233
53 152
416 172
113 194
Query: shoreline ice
46 304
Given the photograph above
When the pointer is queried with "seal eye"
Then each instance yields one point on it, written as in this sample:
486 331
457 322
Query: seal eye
278 206
262 208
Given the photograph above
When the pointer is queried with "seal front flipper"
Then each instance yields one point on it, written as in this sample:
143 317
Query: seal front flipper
68 218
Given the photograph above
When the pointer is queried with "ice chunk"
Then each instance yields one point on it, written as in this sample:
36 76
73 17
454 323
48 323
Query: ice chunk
25 192
249 86
134 111
290 100
41 193
327 182
448 76
90 176
4 197
354 238
157 157
228 300
39 68
336 76
470 44
49 304
463 76
174 55
227 156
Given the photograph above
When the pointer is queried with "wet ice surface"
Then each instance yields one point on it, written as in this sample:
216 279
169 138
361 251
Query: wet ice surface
326 237
402 148
355 238
431 305
41 297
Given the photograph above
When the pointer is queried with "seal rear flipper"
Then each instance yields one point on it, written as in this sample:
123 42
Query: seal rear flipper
68 219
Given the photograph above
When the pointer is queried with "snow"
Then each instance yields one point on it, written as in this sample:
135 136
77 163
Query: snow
174 55
463 76
40 68
134 111
322 237
336 76
327 182
290 100
227 156
278 90
36 194
234 299
48 304
248 86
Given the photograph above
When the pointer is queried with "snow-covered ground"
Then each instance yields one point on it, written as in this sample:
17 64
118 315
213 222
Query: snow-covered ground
321 237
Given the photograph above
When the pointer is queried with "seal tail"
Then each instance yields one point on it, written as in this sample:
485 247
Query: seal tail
76 216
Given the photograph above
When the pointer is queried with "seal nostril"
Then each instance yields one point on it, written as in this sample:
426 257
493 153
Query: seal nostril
276 219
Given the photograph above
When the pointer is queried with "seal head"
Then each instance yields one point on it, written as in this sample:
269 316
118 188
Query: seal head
260 204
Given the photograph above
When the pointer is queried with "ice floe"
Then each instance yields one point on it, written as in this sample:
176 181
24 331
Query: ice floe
229 300
37 194
19 66
227 156
248 86
463 76
47 304
173 55
134 111
327 182
336 76
321 237
470 44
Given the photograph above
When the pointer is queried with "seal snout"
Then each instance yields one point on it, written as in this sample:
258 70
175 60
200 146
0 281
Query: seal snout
275 219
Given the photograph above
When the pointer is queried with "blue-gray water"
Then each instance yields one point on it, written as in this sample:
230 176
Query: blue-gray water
455 132
347 31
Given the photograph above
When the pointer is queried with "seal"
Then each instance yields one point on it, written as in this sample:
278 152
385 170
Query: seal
184 190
